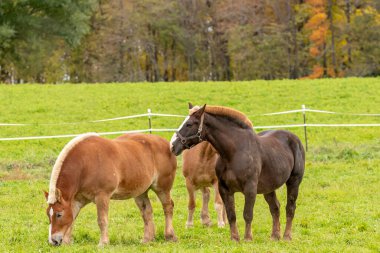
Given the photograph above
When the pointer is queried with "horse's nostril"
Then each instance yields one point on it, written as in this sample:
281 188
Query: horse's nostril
56 242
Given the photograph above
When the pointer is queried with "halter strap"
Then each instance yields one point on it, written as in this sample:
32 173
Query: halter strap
197 135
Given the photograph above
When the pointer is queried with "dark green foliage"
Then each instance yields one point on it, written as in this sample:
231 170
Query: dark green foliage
32 30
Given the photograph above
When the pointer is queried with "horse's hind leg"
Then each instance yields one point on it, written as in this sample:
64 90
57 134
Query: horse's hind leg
204 213
219 207
168 206
274 207
146 210
102 205
292 186
191 205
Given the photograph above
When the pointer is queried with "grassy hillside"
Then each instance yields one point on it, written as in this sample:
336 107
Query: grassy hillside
338 208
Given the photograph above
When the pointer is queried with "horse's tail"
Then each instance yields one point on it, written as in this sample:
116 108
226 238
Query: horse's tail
299 158
58 164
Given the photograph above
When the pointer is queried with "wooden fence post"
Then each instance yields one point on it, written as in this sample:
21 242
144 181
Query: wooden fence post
150 120
304 125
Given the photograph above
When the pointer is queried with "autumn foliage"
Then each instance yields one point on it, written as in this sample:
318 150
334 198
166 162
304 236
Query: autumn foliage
166 40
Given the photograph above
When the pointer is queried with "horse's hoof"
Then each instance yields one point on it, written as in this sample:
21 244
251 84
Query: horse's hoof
147 240
171 238
235 238
103 244
287 237
248 238
275 237
189 225
221 224
207 223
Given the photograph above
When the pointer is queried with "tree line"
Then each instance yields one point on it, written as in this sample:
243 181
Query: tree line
178 40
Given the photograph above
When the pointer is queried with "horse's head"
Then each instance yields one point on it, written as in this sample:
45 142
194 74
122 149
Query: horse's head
60 217
190 132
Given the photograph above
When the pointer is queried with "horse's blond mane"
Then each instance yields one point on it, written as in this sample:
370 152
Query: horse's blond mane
224 111
58 164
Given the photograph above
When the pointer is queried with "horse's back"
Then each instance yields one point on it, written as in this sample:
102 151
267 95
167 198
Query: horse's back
154 157
154 145
286 138
125 167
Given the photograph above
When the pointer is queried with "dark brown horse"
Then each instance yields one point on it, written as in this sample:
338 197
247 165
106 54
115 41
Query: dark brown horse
199 171
95 169
248 163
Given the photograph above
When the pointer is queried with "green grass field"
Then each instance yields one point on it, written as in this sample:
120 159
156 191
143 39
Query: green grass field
338 207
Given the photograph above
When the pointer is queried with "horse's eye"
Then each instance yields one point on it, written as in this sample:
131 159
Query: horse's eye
189 124
58 215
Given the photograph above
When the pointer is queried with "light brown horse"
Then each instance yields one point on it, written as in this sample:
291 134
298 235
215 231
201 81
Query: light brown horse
95 169
199 172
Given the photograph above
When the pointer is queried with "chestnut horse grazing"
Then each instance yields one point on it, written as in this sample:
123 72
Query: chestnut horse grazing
95 169
248 162
199 172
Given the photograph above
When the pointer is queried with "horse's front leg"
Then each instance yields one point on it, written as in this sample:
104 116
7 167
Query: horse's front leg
75 207
191 205
205 213
229 202
219 207
250 198
102 205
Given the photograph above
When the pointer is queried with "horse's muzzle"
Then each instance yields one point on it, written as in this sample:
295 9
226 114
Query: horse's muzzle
176 148
56 240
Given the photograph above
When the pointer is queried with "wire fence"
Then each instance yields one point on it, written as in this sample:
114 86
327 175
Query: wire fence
149 115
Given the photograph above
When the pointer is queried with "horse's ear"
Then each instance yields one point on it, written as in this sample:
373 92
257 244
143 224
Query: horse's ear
58 195
46 195
203 109
190 106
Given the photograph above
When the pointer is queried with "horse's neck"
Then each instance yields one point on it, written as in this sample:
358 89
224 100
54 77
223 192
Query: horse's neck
67 182
226 137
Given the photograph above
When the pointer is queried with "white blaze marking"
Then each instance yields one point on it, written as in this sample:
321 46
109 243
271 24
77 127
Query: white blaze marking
51 212
50 234
174 137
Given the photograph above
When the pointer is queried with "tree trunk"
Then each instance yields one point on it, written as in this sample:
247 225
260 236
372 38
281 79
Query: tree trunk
293 45
147 68
324 57
227 72
174 70
166 63
332 29
347 11
121 43
156 74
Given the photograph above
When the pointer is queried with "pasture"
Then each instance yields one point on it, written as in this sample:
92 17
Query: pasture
338 209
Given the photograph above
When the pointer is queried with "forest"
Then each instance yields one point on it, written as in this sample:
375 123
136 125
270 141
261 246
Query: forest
93 41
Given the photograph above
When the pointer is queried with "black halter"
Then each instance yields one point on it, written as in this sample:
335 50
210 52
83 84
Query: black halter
197 135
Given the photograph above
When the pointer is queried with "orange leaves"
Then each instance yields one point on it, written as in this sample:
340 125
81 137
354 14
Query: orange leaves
318 36
317 72
316 20
319 27
314 51
317 6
